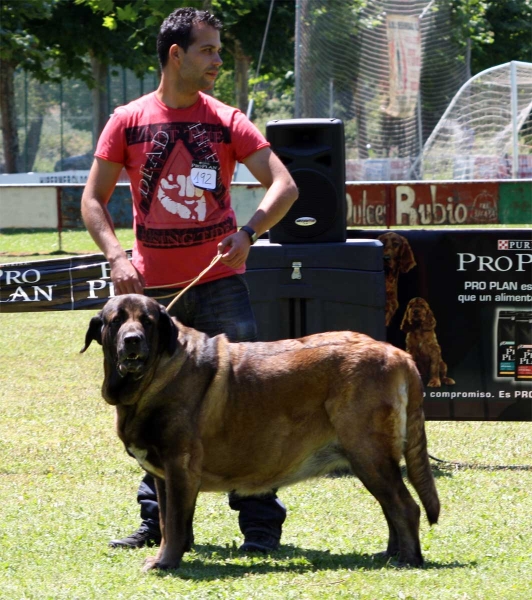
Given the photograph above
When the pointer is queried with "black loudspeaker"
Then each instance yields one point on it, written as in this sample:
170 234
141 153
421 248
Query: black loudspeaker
313 150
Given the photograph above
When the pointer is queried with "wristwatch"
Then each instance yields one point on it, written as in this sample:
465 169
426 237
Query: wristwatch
252 235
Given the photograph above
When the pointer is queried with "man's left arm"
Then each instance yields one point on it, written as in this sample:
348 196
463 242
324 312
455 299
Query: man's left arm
281 193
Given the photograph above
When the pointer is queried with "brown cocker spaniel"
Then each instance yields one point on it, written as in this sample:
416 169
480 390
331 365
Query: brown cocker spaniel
421 343
398 258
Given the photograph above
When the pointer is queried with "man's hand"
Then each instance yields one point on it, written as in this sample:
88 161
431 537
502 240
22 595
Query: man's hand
126 279
235 249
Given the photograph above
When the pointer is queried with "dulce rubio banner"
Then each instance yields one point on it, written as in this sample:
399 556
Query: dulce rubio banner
459 301
414 204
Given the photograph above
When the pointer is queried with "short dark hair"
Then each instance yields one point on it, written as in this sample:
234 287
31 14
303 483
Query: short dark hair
177 29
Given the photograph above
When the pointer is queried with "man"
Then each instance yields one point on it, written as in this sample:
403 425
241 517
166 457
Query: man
180 147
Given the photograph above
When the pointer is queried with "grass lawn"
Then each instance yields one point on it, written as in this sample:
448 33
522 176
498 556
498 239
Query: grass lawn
67 487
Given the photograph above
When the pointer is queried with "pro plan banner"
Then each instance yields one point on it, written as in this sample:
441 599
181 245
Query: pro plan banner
459 301
75 283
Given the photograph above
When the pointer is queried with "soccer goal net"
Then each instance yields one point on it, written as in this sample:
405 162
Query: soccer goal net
486 132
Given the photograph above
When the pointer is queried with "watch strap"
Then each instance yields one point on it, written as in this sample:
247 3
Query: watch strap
252 234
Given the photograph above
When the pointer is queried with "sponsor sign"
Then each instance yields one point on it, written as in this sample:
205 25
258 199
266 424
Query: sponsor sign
477 285
411 204
75 283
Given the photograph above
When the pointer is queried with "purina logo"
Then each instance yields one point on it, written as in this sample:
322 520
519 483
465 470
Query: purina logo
514 245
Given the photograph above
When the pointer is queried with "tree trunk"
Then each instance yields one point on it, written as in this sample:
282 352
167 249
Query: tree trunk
32 142
242 63
9 117
100 101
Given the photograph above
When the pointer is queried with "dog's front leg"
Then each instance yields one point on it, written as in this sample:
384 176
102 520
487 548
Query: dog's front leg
434 380
177 501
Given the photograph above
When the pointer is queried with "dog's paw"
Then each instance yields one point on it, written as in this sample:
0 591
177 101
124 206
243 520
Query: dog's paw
434 382
150 564
448 381
396 559
155 563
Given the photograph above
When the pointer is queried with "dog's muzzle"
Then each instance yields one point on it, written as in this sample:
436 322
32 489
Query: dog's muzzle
132 354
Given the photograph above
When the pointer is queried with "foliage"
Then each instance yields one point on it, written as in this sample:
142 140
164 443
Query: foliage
511 26
245 21
498 32
19 45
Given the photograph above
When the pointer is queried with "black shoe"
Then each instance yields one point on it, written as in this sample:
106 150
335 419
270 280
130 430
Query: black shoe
144 536
260 542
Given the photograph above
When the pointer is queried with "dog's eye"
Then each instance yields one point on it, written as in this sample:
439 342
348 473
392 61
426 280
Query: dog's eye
146 321
116 321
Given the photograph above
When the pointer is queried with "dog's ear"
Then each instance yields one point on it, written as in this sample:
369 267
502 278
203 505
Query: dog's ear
406 257
430 319
167 331
405 323
94 332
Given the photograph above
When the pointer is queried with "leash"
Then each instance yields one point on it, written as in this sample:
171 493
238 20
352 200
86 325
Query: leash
192 282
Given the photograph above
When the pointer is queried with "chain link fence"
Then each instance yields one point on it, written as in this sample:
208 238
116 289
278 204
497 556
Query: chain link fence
55 120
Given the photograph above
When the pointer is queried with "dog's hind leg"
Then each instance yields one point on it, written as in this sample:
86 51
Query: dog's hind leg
443 374
381 476
372 441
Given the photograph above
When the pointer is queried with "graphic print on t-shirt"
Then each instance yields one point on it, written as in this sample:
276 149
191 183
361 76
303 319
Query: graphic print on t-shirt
178 199
170 202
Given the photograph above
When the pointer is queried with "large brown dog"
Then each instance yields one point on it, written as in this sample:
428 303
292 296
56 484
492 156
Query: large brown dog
203 414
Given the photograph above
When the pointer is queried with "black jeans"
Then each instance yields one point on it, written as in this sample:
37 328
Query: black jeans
220 306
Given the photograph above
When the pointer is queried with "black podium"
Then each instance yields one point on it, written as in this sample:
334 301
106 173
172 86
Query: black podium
300 289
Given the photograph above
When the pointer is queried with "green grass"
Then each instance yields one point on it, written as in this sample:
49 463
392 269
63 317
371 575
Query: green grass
18 244
67 487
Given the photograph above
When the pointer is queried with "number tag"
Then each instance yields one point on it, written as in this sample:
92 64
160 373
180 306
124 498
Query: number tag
204 175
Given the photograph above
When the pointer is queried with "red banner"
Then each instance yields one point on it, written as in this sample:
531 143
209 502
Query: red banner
409 204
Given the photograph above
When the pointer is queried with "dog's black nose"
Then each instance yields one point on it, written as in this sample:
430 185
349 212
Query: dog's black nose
132 339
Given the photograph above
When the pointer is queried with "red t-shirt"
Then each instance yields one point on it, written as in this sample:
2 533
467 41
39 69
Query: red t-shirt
168 153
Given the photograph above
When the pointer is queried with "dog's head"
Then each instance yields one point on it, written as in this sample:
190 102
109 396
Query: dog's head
418 315
134 331
397 253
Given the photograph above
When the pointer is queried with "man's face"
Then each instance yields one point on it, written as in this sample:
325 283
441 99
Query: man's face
199 65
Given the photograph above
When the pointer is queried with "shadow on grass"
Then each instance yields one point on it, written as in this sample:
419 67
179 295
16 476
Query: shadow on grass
45 253
437 471
210 562
445 468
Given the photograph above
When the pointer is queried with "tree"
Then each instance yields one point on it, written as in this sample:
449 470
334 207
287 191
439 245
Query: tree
244 30
242 36
19 47
55 39
496 32
88 38
82 39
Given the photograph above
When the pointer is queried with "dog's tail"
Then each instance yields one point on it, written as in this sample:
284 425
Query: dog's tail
416 456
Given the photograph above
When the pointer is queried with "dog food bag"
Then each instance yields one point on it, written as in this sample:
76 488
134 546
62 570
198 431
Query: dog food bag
523 346
506 344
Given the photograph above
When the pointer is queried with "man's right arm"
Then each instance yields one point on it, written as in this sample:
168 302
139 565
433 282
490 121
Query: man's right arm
100 185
